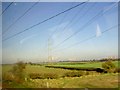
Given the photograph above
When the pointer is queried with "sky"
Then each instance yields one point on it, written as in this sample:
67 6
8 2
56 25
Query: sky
36 44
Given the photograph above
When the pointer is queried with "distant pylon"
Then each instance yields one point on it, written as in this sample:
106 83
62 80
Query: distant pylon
49 51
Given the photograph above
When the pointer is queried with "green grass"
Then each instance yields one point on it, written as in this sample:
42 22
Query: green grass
42 69
37 68
84 65
90 81
94 80
6 68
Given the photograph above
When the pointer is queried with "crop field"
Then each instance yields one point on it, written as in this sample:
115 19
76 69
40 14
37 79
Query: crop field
41 76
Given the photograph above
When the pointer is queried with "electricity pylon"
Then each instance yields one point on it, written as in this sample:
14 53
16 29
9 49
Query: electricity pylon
49 50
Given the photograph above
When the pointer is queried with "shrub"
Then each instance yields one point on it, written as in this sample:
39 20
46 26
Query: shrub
35 75
108 66
18 70
17 73
8 77
87 72
117 70
51 75
43 75
15 76
74 74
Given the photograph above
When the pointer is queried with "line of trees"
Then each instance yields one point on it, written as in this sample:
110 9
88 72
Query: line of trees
93 60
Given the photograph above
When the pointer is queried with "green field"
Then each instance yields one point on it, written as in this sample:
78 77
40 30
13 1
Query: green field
90 80
84 64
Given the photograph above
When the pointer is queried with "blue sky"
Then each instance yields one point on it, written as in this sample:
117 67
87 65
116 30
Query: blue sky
32 45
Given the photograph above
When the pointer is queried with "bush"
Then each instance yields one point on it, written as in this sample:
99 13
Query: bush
108 66
117 70
74 74
18 70
35 75
43 76
17 73
8 77
51 75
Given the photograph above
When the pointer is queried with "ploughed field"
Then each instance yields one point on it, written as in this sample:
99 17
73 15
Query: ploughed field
48 76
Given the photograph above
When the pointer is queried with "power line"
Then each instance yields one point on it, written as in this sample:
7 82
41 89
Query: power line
20 17
94 36
61 22
82 28
6 8
72 19
50 37
44 21
78 19
49 44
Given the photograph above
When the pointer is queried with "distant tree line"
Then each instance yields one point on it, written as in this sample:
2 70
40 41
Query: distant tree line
94 60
